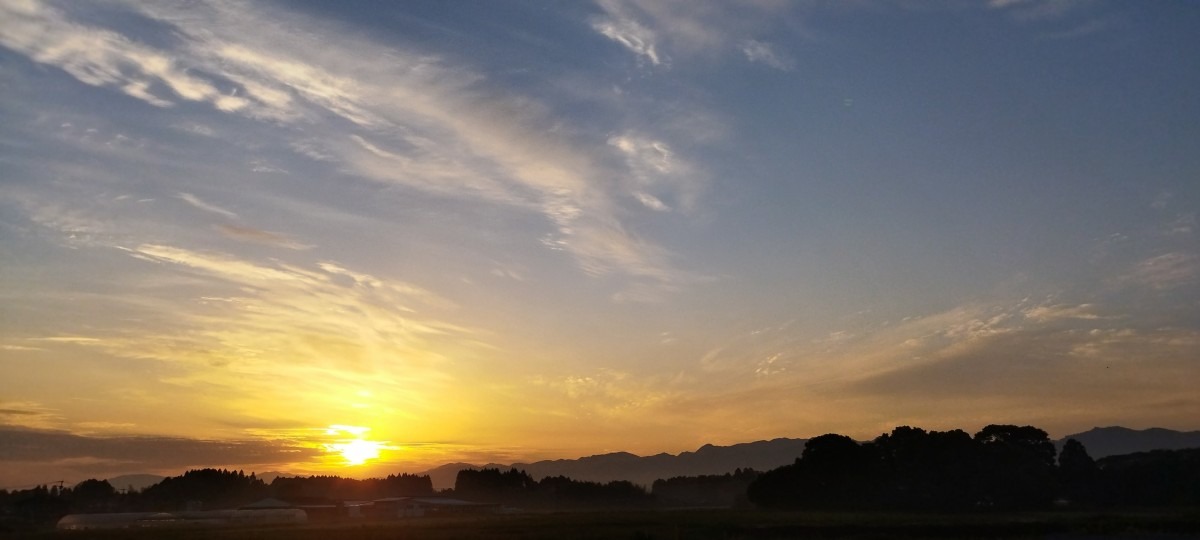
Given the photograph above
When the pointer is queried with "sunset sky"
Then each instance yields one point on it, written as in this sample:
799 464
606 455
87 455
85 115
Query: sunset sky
288 236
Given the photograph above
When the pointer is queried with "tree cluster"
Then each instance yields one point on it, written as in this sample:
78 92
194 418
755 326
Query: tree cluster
517 487
205 489
710 490
1001 467
316 488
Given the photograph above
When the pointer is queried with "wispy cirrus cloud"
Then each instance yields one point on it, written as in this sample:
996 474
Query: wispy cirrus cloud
1166 271
259 236
196 202
381 113
971 365
660 179
244 335
1046 313
649 29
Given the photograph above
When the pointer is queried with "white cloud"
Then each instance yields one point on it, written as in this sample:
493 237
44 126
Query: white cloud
207 207
630 34
762 53
381 113
658 178
97 57
691 28
651 202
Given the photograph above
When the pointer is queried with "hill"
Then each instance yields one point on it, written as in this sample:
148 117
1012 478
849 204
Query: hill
134 482
1115 440
644 470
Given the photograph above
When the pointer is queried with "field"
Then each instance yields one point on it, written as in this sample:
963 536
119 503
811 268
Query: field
705 524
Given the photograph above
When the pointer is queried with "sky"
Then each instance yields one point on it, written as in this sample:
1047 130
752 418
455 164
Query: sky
362 238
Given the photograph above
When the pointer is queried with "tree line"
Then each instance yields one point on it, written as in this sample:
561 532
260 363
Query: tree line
1003 467
516 487
197 489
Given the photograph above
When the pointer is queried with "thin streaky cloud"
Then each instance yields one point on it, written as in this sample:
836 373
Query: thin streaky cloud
259 236
197 202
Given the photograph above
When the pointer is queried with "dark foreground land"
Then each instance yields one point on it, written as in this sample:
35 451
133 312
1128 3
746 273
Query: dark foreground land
706 524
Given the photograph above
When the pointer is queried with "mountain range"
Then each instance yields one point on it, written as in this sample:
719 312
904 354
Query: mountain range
644 470
1115 440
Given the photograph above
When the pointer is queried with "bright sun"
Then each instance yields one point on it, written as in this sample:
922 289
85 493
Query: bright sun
355 451
358 451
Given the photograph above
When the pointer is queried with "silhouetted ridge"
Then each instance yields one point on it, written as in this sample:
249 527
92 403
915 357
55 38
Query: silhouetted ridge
644 470
1115 440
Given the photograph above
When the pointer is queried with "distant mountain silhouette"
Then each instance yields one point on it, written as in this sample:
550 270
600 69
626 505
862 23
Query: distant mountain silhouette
137 482
1115 440
644 470
270 476
443 476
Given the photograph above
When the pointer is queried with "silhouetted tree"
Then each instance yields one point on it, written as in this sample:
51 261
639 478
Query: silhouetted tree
1077 473
212 488
834 471
325 488
92 496
493 485
1017 469
927 470
1156 478
722 490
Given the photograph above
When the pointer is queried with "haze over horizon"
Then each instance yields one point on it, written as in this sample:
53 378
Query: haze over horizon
356 238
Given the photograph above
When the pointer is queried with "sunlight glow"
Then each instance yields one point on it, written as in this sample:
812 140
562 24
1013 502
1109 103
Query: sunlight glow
357 450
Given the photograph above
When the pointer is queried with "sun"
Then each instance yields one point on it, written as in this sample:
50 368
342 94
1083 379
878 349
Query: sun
358 451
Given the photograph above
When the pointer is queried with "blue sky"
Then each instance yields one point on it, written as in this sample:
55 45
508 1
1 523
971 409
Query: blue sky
506 231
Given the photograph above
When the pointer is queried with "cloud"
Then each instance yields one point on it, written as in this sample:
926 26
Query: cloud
1047 313
259 236
1053 367
629 33
692 28
274 330
1183 224
27 414
101 57
971 365
762 53
657 173
386 114
604 394
1166 271
87 456
1036 10
207 207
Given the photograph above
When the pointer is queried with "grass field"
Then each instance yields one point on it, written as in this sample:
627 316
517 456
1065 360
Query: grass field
704 524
